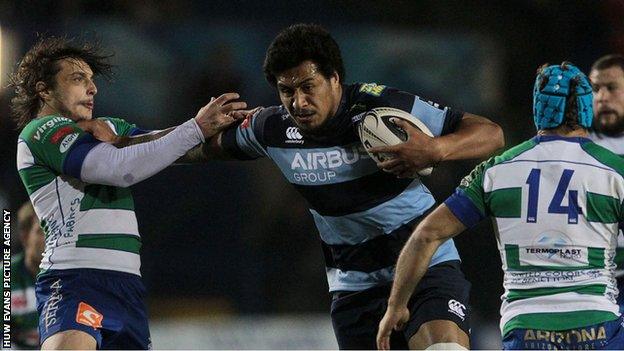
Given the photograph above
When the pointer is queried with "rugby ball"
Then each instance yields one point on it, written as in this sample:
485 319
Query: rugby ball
377 129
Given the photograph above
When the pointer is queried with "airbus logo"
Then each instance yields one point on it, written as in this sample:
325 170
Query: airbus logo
293 136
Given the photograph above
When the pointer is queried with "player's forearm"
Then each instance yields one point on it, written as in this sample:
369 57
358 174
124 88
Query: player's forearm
210 150
416 255
411 267
475 137
108 165
124 141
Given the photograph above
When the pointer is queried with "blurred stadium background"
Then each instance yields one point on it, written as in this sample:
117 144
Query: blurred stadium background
230 256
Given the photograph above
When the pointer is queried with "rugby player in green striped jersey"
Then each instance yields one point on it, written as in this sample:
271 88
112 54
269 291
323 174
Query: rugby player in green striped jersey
556 202
89 291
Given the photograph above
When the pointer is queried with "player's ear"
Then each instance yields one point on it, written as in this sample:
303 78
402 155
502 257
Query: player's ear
43 90
335 78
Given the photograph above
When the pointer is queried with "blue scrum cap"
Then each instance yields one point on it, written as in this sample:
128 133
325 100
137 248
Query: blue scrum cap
551 90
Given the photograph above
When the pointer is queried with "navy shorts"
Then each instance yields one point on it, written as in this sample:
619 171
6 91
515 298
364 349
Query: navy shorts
107 305
602 336
442 294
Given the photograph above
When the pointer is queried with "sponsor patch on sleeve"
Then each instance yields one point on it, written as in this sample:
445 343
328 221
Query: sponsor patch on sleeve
372 89
68 141
61 133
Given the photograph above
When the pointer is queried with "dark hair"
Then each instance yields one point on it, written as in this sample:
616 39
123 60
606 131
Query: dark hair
41 64
301 42
608 61
570 115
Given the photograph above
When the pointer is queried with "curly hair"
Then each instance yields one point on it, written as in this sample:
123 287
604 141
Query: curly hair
301 42
41 64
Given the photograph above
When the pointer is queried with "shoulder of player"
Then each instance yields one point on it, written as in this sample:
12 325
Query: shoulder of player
119 125
35 128
365 91
604 156
506 155
272 112
272 117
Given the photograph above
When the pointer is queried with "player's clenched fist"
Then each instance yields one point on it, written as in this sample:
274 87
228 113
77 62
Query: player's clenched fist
216 116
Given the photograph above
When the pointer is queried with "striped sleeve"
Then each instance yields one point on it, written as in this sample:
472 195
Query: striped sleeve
51 142
439 119
468 202
245 141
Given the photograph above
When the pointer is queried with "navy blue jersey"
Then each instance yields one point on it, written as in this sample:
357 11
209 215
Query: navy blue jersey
363 215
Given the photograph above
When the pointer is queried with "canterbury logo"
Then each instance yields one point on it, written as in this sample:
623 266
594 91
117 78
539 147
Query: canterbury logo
457 308
87 315
292 133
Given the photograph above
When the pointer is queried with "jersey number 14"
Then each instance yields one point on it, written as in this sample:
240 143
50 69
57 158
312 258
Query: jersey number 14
555 206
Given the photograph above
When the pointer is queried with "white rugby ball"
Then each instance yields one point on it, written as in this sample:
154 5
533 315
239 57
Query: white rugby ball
377 129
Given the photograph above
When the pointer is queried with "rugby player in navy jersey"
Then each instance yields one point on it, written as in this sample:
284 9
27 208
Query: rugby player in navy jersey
363 214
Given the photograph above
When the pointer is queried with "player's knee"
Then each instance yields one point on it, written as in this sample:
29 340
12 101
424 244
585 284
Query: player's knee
445 334
70 340
446 346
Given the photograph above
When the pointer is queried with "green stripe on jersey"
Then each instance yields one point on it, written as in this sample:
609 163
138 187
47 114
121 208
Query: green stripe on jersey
595 258
472 184
107 197
602 208
121 126
558 320
605 156
36 177
505 203
591 289
120 242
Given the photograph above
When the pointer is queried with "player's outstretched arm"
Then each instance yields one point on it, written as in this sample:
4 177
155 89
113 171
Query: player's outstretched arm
474 137
210 150
412 264
213 149
109 165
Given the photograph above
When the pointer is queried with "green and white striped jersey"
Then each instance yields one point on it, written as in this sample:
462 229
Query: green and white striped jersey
556 204
86 225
